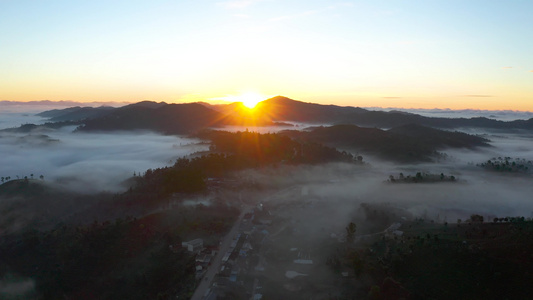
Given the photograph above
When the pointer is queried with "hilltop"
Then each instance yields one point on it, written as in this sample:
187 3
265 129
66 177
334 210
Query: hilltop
164 118
405 143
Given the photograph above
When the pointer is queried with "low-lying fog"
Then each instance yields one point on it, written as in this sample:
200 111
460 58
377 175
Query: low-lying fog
502 115
15 119
337 190
89 162
92 162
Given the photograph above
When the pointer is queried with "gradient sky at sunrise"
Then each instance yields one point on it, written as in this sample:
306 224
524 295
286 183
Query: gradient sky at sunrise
413 54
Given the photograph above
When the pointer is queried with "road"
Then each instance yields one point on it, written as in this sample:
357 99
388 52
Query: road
216 263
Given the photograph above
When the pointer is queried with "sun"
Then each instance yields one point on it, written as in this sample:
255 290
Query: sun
250 99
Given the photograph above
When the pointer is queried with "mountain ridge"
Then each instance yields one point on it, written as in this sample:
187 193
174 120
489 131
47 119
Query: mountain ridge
188 117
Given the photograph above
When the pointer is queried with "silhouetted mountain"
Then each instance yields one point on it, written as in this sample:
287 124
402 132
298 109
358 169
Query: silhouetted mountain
281 108
161 117
284 109
407 143
58 112
185 118
147 104
76 113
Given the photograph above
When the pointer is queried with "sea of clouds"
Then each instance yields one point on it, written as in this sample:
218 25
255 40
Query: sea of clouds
85 162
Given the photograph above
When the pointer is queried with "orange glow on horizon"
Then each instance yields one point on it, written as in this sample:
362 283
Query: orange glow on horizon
248 99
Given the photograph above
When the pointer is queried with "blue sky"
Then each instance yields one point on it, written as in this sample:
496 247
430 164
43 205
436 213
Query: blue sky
445 54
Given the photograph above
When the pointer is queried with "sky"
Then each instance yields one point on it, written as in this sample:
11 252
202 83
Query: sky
398 53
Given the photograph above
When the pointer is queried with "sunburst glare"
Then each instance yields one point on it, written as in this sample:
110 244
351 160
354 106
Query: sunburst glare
248 99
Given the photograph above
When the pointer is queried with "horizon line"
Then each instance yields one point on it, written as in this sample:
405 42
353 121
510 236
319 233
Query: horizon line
52 102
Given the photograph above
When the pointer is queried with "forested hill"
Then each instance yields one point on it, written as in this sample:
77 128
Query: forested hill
75 113
186 118
405 143
439 138
285 109
167 118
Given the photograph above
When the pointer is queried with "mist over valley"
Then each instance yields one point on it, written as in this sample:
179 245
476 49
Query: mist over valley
271 197
258 150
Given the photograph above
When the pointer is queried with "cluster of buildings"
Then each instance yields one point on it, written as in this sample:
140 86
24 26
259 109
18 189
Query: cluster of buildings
203 255
239 264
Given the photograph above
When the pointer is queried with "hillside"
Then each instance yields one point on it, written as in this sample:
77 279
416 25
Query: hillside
76 113
166 118
277 111
406 143
285 109
190 117
281 108
439 138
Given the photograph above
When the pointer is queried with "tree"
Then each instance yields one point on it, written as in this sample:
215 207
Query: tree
350 232
475 218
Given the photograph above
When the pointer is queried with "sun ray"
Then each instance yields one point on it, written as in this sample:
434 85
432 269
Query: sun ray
248 99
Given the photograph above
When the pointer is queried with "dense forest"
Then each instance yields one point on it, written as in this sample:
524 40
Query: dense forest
427 260
124 259
229 152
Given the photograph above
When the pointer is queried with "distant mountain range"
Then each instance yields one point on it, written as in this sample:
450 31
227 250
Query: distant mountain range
186 118
285 109
75 113
160 117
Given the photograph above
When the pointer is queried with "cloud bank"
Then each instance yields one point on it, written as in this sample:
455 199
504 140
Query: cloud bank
89 162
